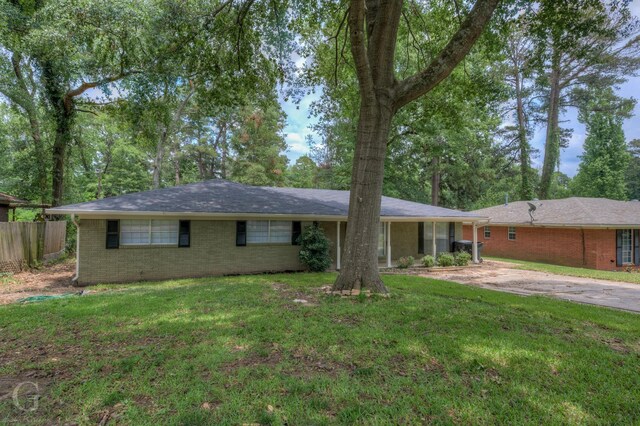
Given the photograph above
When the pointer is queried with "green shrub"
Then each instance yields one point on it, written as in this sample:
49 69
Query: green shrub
445 259
314 250
462 258
429 261
405 262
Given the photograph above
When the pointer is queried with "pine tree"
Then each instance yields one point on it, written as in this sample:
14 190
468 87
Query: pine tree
605 160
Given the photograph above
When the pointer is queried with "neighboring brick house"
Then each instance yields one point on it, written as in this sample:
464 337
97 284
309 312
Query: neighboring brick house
595 233
219 227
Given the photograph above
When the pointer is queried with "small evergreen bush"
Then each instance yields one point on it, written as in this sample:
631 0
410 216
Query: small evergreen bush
462 258
314 250
445 259
429 261
405 262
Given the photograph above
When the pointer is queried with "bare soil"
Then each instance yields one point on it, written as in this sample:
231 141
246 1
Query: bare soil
48 280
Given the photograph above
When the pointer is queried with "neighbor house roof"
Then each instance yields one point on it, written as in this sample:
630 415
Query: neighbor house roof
6 199
223 198
570 212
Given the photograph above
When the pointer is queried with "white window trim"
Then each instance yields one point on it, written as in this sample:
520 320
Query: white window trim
509 233
487 228
149 227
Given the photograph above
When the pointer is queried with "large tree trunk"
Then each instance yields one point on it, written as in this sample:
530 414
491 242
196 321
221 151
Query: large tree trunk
526 189
552 143
28 104
381 95
435 180
64 124
360 259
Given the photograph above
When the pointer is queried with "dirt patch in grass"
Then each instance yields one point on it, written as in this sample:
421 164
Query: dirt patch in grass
48 280
294 297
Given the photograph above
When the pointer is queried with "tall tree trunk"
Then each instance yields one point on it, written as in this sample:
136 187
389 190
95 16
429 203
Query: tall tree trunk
373 31
28 104
359 267
552 142
157 162
435 180
64 125
526 189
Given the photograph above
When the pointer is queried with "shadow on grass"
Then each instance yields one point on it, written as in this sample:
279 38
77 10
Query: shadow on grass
237 350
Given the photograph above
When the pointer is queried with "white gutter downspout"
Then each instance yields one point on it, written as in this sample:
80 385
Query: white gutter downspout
73 219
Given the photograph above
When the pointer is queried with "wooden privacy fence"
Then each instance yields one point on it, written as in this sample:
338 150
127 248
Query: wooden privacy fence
24 244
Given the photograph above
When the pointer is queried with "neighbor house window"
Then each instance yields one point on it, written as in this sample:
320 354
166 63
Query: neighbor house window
511 233
487 232
268 231
627 246
149 232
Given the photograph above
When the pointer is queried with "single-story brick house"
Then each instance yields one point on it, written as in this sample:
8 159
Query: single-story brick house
219 227
595 233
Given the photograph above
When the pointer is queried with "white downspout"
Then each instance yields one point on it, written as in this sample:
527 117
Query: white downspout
73 219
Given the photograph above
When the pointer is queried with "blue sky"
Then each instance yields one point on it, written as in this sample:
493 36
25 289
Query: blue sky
298 122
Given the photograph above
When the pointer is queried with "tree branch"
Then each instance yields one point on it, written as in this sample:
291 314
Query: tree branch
358 48
457 48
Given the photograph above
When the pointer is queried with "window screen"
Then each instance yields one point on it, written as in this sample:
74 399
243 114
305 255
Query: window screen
134 232
265 231
146 232
164 232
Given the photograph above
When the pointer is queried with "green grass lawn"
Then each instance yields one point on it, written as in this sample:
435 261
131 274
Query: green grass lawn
622 276
238 350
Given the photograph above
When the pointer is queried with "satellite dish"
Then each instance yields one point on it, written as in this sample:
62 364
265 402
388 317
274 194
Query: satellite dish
532 208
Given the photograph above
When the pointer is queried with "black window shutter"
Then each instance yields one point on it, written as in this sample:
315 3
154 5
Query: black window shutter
296 231
113 234
420 237
241 233
452 235
619 247
636 246
184 234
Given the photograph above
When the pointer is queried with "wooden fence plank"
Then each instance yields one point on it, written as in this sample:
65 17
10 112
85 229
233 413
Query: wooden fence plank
27 243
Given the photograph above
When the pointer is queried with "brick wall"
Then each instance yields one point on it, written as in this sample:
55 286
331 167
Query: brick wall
212 252
562 246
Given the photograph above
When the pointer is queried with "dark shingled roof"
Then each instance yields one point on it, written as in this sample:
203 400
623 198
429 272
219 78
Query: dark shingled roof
223 197
574 211
6 199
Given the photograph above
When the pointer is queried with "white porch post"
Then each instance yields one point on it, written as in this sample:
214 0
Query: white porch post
388 244
433 239
474 246
338 250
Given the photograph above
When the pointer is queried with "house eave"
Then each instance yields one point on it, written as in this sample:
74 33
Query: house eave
106 214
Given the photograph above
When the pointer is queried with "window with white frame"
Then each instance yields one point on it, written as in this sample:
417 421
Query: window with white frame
511 233
148 232
268 231
487 232
627 246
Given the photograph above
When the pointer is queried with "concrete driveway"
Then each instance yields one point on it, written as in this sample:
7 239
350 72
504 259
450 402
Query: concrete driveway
502 276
